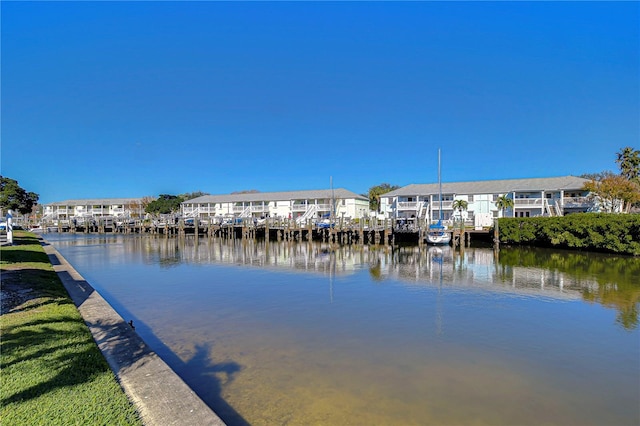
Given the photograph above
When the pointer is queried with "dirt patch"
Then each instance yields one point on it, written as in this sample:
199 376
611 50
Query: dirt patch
13 292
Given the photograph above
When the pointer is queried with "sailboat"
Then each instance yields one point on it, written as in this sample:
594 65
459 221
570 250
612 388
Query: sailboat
437 232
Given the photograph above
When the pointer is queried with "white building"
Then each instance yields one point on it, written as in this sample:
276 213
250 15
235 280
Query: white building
555 196
98 207
299 205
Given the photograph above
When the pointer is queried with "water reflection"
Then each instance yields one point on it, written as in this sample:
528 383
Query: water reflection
299 333
613 281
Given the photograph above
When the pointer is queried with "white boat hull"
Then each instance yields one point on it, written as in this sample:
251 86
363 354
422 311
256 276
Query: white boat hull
438 238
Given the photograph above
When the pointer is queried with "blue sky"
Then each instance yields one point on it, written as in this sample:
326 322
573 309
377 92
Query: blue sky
128 99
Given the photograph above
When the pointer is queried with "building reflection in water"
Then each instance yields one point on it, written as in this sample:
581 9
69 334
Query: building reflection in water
477 268
527 272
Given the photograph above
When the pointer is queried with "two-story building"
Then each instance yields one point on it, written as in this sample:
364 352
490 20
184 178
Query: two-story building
94 208
554 196
299 205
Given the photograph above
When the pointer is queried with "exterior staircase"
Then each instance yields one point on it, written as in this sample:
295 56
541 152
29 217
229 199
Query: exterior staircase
553 209
193 213
308 214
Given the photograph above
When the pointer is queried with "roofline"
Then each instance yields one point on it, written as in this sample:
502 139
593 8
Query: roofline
94 201
405 190
278 195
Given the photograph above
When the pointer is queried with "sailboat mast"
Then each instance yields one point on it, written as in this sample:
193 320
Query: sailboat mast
440 186
333 207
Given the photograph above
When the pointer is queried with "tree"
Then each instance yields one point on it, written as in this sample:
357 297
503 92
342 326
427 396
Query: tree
460 205
191 195
13 197
597 176
135 208
628 160
247 191
145 201
616 193
503 203
164 204
376 191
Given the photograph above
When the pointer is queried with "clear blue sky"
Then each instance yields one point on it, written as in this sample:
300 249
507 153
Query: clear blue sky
127 99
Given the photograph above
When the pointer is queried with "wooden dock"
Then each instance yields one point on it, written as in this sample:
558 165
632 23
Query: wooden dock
364 232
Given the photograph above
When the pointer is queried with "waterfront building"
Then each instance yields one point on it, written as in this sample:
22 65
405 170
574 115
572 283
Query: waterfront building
94 208
553 196
299 205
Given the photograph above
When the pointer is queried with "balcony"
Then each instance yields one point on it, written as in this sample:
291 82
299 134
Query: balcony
528 202
324 207
407 205
446 204
577 202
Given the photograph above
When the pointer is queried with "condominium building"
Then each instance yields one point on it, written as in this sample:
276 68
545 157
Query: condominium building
299 205
95 207
553 196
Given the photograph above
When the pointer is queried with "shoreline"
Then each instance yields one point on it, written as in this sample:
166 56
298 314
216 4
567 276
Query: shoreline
158 393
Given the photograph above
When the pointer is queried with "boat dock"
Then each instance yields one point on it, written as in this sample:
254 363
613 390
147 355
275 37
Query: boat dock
371 232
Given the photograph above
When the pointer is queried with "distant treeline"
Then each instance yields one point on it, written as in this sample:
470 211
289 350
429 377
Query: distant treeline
603 232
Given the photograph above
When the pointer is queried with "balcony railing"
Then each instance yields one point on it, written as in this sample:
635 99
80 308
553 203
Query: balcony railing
324 207
413 205
240 209
407 205
528 202
446 204
576 202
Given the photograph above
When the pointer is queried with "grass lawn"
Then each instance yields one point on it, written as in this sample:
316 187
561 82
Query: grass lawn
52 372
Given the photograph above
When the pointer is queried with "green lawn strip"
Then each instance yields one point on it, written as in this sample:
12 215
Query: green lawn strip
52 371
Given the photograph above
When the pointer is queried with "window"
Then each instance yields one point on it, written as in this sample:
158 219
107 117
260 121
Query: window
471 198
495 197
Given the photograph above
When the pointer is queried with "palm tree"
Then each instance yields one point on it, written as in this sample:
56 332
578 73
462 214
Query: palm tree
503 202
375 193
460 205
629 162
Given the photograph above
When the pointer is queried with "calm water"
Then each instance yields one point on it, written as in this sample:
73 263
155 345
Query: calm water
295 333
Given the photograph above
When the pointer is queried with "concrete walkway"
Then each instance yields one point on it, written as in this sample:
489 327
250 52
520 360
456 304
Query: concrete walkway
160 396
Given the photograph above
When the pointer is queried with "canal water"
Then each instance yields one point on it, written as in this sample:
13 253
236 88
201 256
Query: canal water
306 333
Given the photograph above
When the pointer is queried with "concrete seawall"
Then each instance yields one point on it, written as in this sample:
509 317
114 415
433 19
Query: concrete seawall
158 393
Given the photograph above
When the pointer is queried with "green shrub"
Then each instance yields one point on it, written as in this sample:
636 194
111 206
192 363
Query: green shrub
605 232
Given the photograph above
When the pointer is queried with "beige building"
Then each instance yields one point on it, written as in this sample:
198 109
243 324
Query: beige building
299 205
94 208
